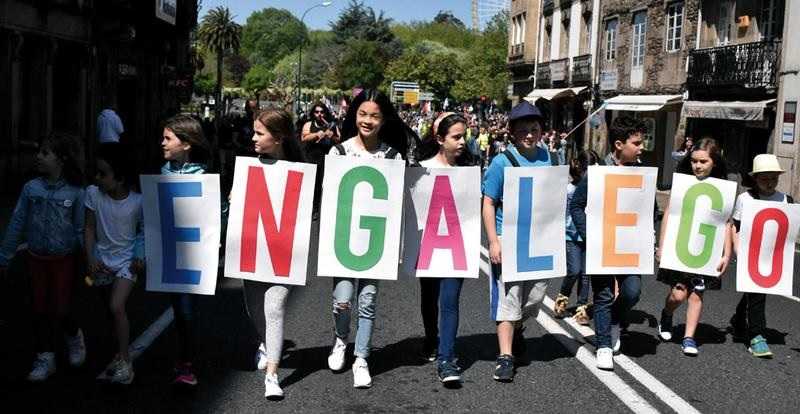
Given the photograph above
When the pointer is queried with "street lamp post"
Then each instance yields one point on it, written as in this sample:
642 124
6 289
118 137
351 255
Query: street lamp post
300 57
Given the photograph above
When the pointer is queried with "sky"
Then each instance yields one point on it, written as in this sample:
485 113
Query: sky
320 18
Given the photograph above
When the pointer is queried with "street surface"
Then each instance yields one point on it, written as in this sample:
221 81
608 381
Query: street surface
651 376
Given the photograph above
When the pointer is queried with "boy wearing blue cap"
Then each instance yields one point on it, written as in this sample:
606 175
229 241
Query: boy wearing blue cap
511 303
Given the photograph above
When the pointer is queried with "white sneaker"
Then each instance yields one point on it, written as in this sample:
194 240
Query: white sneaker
605 359
261 357
336 358
664 334
272 387
616 343
76 348
43 367
122 373
361 378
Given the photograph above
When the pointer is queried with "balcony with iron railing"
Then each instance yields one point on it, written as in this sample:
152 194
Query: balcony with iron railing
748 65
581 70
517 51
543 75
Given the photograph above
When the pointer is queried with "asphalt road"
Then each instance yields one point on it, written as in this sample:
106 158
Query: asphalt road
723 378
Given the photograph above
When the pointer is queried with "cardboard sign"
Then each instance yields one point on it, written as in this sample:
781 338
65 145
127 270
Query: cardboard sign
360 222
182 232
765 263
697 224
619 220
534 223
442 236
269 224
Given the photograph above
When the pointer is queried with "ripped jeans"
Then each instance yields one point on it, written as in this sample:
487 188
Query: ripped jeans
367 292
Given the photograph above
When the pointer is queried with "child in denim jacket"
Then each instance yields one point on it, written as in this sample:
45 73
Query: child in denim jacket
49 218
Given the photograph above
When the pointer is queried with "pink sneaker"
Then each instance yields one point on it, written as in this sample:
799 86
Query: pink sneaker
184 374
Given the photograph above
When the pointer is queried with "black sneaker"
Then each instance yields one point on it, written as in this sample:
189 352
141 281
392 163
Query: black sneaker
738 328
504 370
519 347
448 372
429 351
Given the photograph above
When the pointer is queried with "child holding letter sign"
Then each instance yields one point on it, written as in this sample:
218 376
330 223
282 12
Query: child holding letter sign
443 147
376 131
186 151
749 322
610 311
704 160
274 139
511 302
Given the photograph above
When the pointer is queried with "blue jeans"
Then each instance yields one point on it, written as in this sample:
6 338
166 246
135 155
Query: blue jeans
343 290
576 257
608 311
440 301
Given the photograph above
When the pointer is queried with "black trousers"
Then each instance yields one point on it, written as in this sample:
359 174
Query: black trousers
750 314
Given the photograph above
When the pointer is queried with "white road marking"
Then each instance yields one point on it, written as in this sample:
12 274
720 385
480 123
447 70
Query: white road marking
617 385
138 346
650 382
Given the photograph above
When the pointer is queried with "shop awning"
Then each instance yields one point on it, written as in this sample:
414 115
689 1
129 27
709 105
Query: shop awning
641 102
550 94
732 110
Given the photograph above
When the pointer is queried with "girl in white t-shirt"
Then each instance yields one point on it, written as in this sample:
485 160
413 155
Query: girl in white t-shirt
376 131
443 147
703 161
113 241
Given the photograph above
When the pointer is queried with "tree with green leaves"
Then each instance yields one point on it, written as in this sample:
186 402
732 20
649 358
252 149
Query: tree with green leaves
447 17
362 64
219 34
271 34
434 66
257 80
360 22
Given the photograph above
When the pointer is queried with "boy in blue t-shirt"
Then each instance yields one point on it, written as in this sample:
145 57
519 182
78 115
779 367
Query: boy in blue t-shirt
511 303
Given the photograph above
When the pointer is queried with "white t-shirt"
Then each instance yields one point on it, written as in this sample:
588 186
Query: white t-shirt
351 150
745 196
432 162
118 223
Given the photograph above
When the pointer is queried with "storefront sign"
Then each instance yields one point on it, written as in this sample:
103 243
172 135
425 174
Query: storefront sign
608 80
789 116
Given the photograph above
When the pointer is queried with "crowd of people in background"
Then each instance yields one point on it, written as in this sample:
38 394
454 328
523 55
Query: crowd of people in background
74 230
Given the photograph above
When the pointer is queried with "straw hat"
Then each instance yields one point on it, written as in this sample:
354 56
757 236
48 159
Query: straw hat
766 163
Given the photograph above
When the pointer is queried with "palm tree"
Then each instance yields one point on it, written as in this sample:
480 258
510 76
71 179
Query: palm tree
219 34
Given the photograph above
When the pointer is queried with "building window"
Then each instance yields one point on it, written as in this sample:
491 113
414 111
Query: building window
524 25
724 23
769 17
638 39
611 39
587 34
674 26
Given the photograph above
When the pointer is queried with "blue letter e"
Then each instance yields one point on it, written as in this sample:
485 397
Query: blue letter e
171 235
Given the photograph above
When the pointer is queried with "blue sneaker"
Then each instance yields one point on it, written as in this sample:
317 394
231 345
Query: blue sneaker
689 346
504 369
449 372
759 347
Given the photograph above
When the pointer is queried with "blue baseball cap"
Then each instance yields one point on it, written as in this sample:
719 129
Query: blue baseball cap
525 109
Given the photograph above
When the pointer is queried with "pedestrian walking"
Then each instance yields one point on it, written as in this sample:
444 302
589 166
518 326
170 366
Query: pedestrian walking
274 140
114 244
375 131
444 147
49 216
186 151
703 161
614 295
511 303
749 323
576 248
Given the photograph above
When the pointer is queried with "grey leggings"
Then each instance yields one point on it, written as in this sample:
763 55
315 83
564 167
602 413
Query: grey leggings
265 305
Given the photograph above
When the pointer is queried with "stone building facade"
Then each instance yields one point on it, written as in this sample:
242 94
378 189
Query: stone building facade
523 42
62 61
642 58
